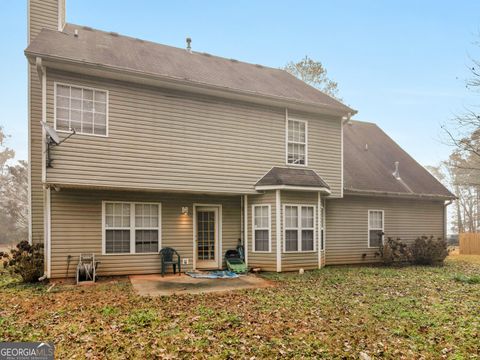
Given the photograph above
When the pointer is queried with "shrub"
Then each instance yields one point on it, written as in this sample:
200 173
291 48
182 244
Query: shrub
429 251
394 250
25 260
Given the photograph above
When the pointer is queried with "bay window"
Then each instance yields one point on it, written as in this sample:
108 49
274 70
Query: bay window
299 232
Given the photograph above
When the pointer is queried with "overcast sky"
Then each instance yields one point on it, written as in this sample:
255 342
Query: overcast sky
401 64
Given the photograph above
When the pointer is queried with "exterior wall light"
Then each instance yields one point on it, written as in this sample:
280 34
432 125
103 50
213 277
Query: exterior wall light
185 210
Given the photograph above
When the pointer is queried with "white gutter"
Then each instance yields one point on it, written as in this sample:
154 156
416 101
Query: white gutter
125 74
357 192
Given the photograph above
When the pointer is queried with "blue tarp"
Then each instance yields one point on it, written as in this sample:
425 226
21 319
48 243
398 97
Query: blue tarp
219 274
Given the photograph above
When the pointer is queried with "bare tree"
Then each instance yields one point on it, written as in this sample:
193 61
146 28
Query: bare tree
464 133
313 73
6 153
13 196
453 174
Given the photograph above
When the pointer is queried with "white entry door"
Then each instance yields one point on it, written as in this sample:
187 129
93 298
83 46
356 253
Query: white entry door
207 237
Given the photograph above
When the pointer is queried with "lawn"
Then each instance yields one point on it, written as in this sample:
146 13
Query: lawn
337 312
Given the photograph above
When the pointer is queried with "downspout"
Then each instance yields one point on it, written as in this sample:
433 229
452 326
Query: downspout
345 121
445 218
42 74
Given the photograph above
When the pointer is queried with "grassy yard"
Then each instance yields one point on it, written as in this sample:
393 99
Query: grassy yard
393 313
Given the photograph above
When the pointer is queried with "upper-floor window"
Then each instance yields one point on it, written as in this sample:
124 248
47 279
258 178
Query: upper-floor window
375 228
80 108
299 229
297 142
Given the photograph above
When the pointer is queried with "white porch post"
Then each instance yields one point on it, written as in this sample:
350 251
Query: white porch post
319 232
245 227
278 230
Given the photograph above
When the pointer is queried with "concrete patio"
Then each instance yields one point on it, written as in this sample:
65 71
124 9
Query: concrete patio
156 285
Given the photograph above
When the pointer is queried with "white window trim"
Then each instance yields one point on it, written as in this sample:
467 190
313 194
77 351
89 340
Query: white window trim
132 227
383 227
299 229
219 231
286 140
269 228
55 83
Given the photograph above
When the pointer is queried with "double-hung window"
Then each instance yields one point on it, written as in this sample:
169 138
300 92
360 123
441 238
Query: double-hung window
297 142
80 108
375 228
299 232
261 228
131 228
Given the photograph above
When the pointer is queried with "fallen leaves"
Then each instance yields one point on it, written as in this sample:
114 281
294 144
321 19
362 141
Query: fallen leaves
338 312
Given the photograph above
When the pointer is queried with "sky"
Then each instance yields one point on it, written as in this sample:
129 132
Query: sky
401 64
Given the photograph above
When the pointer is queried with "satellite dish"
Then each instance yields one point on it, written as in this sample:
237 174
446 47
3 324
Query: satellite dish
53 140
51 133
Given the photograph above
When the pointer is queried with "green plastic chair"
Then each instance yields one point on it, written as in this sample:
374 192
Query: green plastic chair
167 258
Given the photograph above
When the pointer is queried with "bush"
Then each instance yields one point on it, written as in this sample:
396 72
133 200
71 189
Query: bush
429 251
25 260
394 250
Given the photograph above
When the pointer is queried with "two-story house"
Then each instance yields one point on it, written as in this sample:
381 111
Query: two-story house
184 149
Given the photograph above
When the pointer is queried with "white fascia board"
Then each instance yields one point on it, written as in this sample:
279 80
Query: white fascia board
293 188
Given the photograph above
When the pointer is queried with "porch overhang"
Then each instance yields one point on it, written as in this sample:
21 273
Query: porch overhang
294 179
293 188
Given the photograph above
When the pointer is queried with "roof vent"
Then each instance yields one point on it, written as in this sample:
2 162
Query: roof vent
189 44
366 147
396 173
75 33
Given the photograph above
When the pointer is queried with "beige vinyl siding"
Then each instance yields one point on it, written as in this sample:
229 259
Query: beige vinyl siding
36 156
172 141
293 261
42 14
77 228
347 225
267 261
324 149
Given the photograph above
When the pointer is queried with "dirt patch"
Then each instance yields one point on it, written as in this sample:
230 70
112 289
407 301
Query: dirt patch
156 285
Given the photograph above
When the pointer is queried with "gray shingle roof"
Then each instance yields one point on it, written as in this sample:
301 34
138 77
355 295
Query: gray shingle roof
278 176
369 163
129 54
